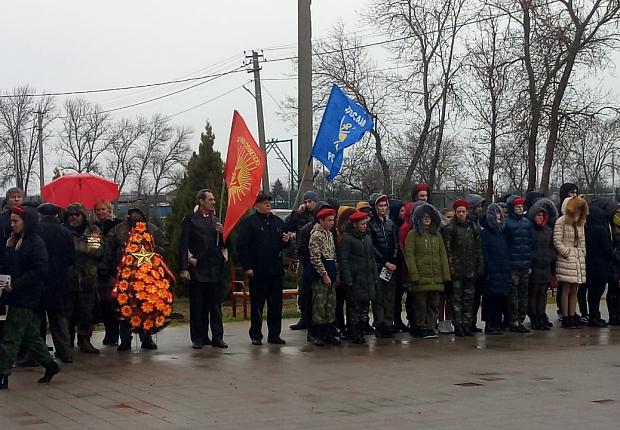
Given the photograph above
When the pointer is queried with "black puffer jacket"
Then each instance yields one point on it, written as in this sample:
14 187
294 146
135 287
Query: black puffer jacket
599 243
518 234
259 245
28 265
495 250
358 271
543 251
61 251
383 233
462 240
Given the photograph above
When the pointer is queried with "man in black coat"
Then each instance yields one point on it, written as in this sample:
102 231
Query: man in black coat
61 251
261 239
202 263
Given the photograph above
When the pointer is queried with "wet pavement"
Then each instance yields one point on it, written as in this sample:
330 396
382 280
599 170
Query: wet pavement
565 379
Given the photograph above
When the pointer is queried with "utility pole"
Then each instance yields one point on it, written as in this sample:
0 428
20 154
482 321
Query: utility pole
40 142
259 113
304 96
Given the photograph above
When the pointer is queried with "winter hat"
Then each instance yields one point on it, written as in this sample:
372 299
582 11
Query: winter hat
261 197
311 195
47 209
358 216
459 203
417 188
381 198
324 213
519 201
360 206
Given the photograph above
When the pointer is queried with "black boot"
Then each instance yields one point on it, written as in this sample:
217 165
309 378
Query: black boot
546 322
125 345
4 382
148 342
318 334
51 369
567 321
85 345
535 323
399 326
467 331
300 325
458 331
357 334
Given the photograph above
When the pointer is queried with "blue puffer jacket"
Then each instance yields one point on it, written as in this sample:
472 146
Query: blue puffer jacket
495 250
518 234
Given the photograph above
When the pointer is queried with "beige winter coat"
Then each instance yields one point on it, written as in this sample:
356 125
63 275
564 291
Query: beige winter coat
570 241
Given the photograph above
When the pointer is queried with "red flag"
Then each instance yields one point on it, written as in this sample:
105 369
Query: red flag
245 163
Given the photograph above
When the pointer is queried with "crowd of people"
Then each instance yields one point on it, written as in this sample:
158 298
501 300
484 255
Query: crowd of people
357 266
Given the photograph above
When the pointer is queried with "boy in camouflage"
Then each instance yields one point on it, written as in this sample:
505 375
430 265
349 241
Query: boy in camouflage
322 251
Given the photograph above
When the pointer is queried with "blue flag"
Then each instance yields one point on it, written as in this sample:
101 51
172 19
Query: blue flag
344 124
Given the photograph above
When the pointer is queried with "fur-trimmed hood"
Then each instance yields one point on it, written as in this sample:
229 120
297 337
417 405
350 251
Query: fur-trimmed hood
490 219
422 209
546 205
572 206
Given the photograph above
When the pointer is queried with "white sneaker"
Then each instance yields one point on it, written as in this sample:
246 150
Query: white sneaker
446 327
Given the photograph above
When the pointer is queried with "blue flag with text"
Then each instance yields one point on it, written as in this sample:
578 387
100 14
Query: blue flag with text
344 124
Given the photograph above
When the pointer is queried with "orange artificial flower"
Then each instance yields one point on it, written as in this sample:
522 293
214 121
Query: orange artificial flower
122 299
132 247
156 261
148 324
141 227
126 273
151 289
123 285
142 295
128 260
155 274
135 321
138 285
147 307
160 305
160 321
126 311
147 236
136 238
162 272
167 311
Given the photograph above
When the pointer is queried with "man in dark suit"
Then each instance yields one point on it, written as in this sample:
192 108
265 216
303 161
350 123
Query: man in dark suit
261 239
200 256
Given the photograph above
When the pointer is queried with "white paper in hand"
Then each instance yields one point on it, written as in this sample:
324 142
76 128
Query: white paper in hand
386 274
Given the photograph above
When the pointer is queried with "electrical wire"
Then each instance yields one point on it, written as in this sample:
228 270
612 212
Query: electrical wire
208 101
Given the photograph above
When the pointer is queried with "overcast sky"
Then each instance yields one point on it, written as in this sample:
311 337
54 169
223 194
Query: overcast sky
76 45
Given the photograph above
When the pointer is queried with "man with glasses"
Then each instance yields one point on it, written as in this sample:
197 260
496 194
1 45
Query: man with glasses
82 275
202 263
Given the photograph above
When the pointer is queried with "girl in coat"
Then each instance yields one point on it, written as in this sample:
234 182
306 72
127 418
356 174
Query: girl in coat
542 214
569 240
25 259
427 264
497 269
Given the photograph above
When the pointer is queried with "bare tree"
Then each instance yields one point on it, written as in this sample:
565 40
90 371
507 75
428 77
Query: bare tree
18 134
83 138
124 140
158 132
169 159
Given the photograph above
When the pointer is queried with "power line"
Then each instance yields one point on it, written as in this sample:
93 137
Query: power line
131 87
208 101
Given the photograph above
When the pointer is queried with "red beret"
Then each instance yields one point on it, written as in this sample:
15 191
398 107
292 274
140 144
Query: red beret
460 202
324 213
421 187
519 201
358 216
18 210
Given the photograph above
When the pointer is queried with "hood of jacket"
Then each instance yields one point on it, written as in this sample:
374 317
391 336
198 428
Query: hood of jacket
490 219
545 205
395 206
576 210
531 198
597 216
608 206
421 210
344 212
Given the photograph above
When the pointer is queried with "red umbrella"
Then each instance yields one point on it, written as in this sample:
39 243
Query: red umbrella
84 188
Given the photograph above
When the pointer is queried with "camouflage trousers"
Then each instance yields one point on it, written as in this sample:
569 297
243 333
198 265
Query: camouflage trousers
463 301
519 296
323 303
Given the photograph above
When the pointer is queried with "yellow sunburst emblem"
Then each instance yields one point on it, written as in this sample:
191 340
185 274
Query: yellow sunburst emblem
241 180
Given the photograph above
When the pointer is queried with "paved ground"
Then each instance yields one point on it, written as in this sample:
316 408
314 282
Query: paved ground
564 379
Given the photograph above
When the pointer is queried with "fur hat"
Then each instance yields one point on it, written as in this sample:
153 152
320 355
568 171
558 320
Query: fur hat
576 210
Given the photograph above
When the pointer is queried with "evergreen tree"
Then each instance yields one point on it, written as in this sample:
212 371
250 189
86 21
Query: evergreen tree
204 170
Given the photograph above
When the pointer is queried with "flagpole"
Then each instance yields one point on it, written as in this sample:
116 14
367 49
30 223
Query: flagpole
217 241
301 180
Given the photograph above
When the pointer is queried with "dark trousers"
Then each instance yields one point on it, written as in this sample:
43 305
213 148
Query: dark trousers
59 330
463 301
305 303
383 304
19 329
518 296
537 299
266 290
613 300
205 305
110 319
124 329
426 309
596 288
493 306
582 298
79 309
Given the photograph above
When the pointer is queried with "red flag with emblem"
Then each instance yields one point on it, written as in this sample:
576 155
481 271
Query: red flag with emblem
245 163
